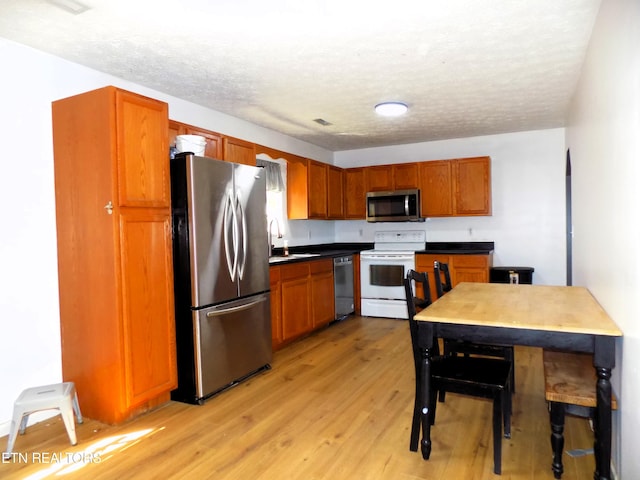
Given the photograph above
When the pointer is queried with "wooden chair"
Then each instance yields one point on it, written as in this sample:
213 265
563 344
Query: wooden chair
569 385
475 376
453 347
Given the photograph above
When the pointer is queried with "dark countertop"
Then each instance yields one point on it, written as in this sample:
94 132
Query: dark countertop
319 251
338 249
459 248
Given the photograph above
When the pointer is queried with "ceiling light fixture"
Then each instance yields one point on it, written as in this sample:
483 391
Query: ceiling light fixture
391 109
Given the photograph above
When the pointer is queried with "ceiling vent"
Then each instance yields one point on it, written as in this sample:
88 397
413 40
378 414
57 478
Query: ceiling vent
322 121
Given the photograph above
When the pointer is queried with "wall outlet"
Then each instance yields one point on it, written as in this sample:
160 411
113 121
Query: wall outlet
360 232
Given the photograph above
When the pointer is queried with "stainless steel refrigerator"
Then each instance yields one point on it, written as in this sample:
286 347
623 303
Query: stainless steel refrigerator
221 270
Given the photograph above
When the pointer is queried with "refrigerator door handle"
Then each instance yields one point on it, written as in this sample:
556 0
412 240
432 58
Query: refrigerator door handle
239 308
242 251
231 263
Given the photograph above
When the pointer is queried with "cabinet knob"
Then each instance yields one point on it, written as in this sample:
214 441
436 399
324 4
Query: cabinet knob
109 207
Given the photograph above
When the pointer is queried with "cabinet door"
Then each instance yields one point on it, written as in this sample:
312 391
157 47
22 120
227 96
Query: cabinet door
276 307
148 328
239 151
473 186
405 176
213 145
296 300
470 268
436 190
335 193
317 184
379 178
142 151
295 308
175 129
355 200
322 292
297 188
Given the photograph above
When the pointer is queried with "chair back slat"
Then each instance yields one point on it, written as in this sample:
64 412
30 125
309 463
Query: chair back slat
415 303
440 270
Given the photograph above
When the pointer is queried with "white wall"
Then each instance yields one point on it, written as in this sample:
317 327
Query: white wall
604 140
31 80
528 178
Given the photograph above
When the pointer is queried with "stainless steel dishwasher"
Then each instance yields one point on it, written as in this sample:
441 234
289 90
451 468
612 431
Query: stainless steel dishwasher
343 285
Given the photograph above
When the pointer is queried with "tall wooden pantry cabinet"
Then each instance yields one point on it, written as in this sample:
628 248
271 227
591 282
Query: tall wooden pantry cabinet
115 272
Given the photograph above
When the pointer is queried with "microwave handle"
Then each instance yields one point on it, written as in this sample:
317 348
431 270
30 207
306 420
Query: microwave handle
406 205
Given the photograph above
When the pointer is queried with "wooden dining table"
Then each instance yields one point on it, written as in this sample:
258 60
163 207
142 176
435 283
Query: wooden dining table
560 317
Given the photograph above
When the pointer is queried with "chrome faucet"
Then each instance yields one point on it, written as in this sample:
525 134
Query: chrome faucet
271 234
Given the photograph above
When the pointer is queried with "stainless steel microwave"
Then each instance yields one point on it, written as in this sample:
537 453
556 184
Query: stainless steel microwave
396 206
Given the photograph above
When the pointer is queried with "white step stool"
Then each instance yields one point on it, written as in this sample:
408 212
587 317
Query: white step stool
61 396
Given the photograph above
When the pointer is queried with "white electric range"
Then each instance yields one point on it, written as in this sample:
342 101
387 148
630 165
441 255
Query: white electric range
383 270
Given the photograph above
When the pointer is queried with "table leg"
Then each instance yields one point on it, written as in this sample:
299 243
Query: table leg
556 415
602 425
425 401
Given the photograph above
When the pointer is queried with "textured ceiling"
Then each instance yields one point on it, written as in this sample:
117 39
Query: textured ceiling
464 67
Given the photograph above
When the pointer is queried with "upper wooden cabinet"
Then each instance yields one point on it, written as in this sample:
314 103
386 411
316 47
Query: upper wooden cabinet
405 176
115 271
379 178
217 146
436 189
238 151
297 188
213 145
317 191
400 176
472 186
335 193
355 193
460 187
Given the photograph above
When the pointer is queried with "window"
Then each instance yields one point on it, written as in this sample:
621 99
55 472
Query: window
276 171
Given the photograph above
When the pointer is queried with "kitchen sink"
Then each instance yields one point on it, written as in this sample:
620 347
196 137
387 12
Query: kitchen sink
291 256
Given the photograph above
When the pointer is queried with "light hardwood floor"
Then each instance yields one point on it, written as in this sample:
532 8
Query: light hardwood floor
336 405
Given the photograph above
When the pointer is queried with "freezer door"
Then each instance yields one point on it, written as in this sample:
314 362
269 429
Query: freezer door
253 247
209 190
233 340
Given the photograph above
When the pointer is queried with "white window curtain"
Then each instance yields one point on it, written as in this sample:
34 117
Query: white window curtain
274 175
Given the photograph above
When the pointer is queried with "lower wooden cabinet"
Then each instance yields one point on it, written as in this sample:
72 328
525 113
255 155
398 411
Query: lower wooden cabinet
463 268
322 292
296 300
276 306
302 299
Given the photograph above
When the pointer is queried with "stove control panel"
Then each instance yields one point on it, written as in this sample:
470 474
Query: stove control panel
407 236
413 240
